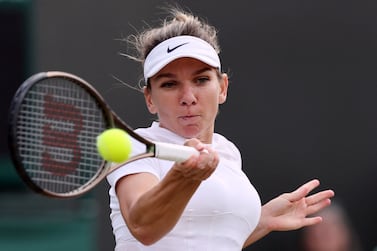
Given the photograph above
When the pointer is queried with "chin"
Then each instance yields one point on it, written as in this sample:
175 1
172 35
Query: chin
190 135
197 134
190 132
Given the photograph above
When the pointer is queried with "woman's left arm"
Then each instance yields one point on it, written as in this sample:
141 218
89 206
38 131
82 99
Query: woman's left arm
290 211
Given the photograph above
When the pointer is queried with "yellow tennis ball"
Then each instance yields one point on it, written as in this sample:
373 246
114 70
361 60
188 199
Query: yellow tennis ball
114 145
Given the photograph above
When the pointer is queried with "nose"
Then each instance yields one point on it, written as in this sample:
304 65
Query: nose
188 96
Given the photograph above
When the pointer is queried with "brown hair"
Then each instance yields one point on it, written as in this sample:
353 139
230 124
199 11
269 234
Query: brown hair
178 23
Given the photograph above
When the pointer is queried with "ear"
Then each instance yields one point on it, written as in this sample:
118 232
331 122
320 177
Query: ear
223 88
148 100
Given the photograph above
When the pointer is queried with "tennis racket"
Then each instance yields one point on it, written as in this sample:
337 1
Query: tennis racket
55 118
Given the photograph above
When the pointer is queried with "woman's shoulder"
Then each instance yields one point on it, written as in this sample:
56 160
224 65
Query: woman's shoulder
225 147
219 139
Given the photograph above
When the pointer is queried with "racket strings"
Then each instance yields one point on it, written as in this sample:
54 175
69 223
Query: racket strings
57 128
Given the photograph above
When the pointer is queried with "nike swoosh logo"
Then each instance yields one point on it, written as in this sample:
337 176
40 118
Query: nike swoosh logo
172 49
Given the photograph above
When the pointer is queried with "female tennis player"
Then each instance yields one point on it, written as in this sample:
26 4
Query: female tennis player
205 202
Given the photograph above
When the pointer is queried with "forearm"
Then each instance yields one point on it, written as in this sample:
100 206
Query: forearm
260 231
157 211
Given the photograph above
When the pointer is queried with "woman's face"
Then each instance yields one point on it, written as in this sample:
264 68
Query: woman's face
186 95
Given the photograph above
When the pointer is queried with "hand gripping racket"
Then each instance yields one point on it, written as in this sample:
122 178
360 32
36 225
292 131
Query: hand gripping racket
55 118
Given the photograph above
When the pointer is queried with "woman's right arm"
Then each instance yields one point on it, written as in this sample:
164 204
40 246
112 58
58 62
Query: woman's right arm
150 207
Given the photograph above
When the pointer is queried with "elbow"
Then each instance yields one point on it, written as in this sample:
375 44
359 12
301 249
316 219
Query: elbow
145 235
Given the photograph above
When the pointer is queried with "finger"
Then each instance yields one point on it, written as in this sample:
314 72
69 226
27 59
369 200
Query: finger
197 144
315 198
311 221
208 156
200 172
210 161
313 209
302 191
202 166
191 142
207 174
204 151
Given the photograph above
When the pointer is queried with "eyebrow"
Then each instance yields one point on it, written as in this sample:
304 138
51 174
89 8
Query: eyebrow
169 75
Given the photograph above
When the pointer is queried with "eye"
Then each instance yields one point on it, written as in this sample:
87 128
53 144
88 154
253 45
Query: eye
202 80
168 85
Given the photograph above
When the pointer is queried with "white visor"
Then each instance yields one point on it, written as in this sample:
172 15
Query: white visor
179 47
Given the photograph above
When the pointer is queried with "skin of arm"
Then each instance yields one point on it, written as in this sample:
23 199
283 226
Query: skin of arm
150 207
290 211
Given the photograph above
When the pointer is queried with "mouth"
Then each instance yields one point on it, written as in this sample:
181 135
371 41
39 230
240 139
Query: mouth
190 118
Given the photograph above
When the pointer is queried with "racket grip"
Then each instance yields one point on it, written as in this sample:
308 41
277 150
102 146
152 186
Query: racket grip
173 152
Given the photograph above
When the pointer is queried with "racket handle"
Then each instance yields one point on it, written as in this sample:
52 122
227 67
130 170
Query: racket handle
173 152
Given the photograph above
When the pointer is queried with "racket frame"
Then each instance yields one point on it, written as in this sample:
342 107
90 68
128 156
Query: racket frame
153 149
111 118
